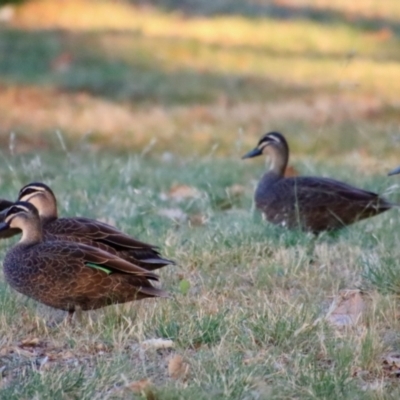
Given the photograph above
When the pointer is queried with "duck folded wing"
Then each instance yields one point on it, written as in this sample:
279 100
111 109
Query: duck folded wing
113 262
94 257
97 231
327 192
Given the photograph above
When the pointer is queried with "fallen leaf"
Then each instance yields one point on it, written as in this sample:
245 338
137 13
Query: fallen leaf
177 367
25 353
391 364
6 350
236 190
140 386
100 347
346 309
197 219
31 342
392 359
182 192
158 344
66 355
176 214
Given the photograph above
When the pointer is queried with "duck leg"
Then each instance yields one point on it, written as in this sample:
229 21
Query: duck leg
69 318
310 249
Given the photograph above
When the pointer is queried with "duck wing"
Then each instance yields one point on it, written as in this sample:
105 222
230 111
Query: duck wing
96 231
107 238
318 204
325 192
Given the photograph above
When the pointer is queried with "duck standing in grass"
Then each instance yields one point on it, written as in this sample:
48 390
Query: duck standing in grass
66 275
394 171
89 231
313 204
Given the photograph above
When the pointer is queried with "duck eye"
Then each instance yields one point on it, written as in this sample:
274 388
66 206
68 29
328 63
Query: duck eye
26 191
13 210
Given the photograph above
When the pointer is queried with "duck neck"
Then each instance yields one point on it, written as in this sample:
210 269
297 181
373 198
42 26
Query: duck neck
31 233
279 160
47 207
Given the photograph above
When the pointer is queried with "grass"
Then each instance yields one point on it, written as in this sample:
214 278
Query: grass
251 322
118 111
194 82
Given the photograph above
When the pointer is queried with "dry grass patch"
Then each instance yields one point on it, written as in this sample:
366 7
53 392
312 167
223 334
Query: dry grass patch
251 319
182 101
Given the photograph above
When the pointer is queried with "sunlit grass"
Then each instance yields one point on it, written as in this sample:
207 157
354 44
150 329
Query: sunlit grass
263 33
112 104
125 75
389 9
252 320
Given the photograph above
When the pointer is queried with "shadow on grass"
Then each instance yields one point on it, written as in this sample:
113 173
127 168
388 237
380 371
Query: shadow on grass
135 73
267 8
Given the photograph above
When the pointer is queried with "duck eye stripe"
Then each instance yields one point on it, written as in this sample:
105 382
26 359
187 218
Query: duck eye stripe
31 189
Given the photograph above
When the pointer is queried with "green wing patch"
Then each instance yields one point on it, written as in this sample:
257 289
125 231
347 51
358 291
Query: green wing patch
95 266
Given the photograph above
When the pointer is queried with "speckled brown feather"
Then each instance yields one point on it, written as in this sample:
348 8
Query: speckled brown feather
104 237
66 274
313 204
89 231
55 274
317 204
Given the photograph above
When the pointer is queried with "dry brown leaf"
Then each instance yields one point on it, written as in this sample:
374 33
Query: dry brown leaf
182 192
392 359
31 342
158 344
25 353
346 309
66 355
197 219
176 214
100 347
236 190
391 364
140 386
6 350
177 367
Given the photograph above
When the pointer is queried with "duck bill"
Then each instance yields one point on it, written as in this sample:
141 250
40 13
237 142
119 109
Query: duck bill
394 171
3 214
253 153
4 226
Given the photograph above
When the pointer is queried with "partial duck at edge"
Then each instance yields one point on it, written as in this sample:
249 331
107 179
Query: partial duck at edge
66 275
314 204
89 231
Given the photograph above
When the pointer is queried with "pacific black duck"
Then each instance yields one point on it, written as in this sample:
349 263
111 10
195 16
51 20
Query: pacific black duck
66 275
4 206
394 171
312 204
89 231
